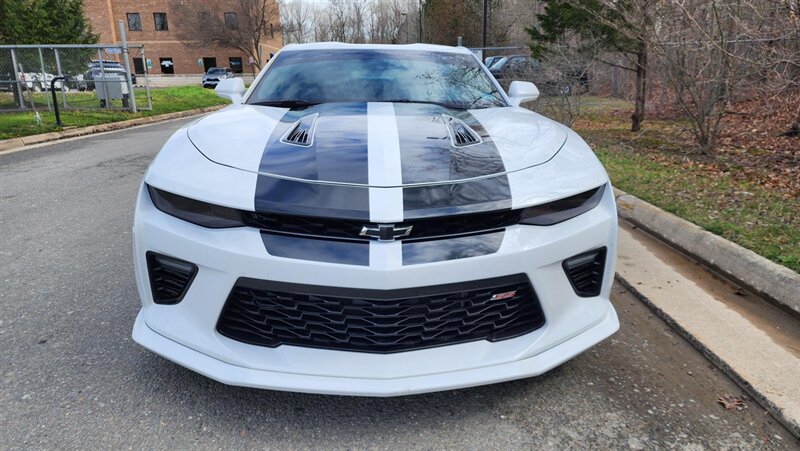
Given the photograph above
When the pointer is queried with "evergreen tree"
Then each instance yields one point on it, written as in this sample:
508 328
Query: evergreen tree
44 22
619 26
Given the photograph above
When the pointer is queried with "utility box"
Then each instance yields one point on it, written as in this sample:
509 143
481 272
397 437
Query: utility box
111 87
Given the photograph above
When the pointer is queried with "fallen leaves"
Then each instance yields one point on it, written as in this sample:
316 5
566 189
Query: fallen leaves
730 402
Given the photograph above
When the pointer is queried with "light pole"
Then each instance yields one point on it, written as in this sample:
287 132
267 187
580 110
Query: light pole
405 19
485 20
419 34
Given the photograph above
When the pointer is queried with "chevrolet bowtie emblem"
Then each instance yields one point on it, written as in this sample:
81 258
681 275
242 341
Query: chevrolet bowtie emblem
386 232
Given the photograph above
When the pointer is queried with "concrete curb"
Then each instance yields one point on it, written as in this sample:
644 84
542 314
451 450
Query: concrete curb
16 143
761 398
772 281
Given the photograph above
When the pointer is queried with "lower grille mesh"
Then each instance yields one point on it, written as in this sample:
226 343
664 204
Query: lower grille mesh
272 314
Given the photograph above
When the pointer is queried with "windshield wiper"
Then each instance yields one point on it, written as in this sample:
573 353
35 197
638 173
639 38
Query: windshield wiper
453 106
287 103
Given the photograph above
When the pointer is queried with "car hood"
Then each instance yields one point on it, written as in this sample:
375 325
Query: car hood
377 144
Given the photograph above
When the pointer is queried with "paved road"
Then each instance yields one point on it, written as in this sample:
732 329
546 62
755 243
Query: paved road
73 378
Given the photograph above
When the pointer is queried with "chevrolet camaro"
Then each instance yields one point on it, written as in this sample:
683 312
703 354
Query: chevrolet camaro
374 220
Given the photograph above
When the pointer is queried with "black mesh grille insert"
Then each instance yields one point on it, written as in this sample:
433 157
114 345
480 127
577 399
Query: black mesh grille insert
585 272
169 277
272 314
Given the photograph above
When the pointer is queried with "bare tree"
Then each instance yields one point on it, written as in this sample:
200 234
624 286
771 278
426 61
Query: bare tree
244 26
297 22
623 26
716 52
770 34
374 21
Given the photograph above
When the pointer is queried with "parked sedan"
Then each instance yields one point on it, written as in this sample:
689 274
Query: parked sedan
374 220
213 76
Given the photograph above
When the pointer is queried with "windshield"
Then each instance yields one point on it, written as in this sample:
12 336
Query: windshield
216 71
319 76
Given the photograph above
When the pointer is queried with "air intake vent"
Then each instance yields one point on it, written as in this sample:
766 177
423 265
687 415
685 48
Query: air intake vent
585 272
461 134
301 133
169 277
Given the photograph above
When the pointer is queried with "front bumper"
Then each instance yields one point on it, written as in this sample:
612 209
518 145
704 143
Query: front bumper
186 333
308 383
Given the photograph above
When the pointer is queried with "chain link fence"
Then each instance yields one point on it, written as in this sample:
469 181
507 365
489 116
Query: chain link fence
83 77
555 76
563 78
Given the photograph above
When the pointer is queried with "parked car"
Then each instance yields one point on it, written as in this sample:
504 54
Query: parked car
374 220
551 80
489 60
97 69
214 75
38 81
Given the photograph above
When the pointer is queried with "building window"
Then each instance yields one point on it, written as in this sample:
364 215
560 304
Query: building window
167 67
231 21
208 63
160 20
138 65
134 22
236 64
203 20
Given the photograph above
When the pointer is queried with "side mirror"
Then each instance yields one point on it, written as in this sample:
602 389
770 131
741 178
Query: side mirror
231 89
522 91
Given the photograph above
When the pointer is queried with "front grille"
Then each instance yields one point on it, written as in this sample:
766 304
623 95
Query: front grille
348 229
271 314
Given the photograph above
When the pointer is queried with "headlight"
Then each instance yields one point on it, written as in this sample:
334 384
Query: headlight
194 211
562 209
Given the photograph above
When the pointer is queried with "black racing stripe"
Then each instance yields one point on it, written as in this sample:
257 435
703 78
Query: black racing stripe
475 196
415 253
428 156
338 152
274 195
426 152
318 250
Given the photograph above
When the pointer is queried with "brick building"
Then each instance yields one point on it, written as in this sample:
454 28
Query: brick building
171 34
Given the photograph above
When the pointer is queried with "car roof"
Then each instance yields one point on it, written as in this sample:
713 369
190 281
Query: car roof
344 46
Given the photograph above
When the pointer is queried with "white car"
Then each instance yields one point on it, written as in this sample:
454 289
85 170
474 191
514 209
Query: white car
374 220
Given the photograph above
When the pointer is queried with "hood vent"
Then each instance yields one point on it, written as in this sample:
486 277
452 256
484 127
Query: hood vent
461 134
301 133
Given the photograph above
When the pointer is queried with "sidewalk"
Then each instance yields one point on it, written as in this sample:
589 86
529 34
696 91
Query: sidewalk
755 343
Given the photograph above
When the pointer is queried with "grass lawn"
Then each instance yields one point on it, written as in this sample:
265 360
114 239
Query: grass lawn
747 205
165 100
